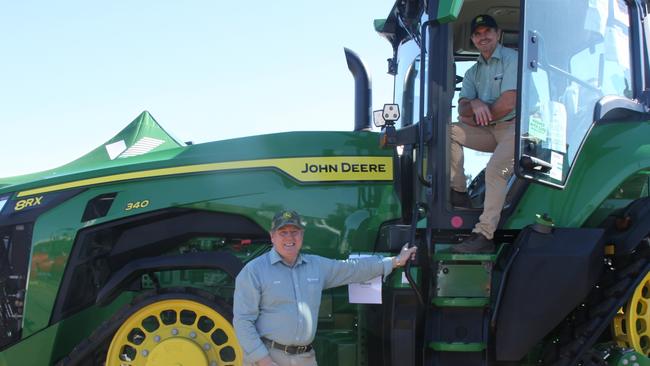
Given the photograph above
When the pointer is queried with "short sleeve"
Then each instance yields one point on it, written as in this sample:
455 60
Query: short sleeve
468 89
509 81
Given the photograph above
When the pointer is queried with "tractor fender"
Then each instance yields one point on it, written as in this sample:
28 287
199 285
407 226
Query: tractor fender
638 215
551 275
121 279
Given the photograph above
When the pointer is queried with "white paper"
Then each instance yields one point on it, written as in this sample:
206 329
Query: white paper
596 18
617 46
368 292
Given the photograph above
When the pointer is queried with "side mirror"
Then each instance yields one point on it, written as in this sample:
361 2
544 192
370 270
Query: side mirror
387 116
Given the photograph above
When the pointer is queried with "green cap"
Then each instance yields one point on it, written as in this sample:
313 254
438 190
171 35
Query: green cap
286 217
483 20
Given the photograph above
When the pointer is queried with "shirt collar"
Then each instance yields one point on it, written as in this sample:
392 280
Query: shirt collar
275 257
496 54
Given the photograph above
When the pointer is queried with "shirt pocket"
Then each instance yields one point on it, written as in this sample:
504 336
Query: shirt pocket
495 85
277 289
313 283
314 289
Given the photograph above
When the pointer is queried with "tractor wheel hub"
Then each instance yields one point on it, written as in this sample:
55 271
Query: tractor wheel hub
177 352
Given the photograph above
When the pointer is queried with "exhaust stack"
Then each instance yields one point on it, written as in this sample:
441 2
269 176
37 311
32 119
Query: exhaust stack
362 91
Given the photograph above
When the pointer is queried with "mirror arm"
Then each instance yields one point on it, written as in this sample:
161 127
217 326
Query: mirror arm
391 136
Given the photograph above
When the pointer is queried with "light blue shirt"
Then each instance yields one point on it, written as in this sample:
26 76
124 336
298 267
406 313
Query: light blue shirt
281 303
487 80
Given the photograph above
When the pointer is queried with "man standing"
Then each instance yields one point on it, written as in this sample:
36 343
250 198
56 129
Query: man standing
278 294
486 112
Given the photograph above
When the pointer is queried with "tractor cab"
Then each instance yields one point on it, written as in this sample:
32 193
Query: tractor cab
565 85
426 93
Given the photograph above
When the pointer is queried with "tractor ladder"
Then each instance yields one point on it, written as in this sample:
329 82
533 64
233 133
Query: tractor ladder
459 315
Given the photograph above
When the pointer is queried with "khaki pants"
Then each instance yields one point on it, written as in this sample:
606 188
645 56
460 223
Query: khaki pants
285 359
498 139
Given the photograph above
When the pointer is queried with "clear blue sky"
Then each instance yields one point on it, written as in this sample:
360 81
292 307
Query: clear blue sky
73 73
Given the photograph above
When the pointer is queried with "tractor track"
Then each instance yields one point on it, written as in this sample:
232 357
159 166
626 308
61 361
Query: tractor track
92 350
582 329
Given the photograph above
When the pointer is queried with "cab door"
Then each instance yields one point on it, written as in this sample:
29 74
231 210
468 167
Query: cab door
575 57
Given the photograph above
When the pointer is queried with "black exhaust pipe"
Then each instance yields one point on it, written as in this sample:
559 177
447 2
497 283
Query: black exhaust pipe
362 91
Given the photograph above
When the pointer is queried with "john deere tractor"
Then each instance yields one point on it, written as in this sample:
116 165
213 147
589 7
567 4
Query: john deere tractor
127 255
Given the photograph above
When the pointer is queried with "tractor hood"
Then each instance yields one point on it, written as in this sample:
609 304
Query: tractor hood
132 145
144 150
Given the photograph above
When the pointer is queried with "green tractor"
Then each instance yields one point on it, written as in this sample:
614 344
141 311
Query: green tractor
127 255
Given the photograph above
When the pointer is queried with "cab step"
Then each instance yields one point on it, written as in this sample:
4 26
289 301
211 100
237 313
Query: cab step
461 302
457 332
444 252
457 346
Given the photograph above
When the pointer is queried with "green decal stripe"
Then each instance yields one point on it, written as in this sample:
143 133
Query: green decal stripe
304 169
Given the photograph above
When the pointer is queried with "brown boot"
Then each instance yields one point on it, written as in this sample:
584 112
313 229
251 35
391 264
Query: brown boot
477 243
460 199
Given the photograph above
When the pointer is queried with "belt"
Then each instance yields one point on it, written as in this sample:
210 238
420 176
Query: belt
499 122
292 350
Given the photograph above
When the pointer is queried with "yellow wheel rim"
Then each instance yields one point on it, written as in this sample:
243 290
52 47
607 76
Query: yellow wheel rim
175 332
631 326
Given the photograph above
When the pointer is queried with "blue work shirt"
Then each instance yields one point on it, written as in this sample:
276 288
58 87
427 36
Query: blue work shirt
281 302
488 79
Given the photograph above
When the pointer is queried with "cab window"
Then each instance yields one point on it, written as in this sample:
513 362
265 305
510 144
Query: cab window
407 83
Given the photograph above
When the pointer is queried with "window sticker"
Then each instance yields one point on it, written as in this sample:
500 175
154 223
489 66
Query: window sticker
537 127
557 162
558 127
